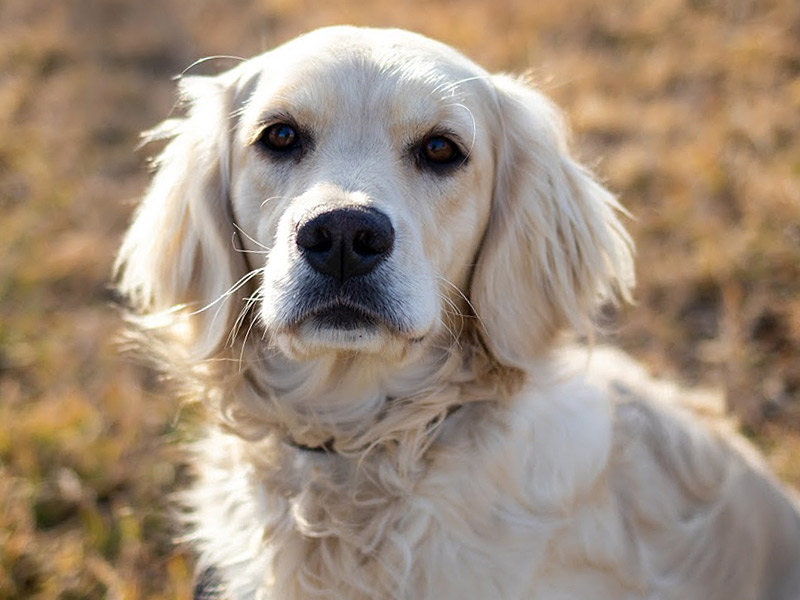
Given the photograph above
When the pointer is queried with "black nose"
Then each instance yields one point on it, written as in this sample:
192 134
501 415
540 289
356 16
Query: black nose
346 242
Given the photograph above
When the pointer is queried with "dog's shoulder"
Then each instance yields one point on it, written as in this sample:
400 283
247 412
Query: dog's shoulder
686 483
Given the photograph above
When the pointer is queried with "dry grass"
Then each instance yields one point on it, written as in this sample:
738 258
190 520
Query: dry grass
689 108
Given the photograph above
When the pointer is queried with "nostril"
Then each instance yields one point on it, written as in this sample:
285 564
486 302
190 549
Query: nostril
315 239
372 242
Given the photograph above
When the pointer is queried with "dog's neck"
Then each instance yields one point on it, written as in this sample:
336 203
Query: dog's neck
347 404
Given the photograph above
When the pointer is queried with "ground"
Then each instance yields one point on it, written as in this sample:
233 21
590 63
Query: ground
688 109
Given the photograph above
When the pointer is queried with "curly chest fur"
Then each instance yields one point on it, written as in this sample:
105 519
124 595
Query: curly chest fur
477 518
562 493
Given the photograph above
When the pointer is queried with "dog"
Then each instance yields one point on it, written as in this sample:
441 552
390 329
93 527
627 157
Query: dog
361 252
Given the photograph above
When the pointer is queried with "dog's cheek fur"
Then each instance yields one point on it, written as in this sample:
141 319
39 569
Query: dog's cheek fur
554 248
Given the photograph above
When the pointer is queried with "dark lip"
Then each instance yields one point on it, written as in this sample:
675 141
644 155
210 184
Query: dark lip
342 317
345 315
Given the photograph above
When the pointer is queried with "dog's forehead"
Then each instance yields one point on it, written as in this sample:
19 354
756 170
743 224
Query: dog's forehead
409 54
396 73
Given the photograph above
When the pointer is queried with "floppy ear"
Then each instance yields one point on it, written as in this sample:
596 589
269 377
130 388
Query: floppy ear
177 260
554 248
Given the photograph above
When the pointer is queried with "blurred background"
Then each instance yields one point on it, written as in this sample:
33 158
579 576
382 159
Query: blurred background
688 109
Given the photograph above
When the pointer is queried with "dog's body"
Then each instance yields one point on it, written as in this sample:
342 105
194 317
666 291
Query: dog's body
575 488
394 418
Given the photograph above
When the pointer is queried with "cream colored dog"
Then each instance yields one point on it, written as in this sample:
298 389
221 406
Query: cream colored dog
358 250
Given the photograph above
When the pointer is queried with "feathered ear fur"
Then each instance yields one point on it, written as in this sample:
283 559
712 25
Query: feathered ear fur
554 248
177 260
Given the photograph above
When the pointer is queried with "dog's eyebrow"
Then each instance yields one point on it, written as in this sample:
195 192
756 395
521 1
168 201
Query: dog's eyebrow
271 118
461 131
442 129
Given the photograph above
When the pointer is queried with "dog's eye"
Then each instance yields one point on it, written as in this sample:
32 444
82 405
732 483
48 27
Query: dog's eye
280 137
439 152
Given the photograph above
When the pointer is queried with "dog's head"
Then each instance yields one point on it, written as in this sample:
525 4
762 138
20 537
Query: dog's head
380 186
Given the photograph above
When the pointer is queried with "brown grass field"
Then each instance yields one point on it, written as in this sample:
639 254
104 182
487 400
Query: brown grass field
688 109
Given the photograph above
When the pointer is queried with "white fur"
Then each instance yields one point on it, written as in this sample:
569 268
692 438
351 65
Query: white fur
473 458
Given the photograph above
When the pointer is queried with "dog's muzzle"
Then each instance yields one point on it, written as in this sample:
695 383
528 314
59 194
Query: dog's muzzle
344 245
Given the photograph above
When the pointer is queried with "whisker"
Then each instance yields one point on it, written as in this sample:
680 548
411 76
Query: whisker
238 112
244 343
454 310
245 234
237 324
466 299
450 333
231 290
244 250
451 308
449 87
270 199
474 128
206 59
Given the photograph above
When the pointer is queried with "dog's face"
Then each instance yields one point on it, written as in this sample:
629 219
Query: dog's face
358 163
382 185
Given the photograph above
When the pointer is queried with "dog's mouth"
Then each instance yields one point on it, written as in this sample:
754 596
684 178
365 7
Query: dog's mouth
315 317
340 325
344 316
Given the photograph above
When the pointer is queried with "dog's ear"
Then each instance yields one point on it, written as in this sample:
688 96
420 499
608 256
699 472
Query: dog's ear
554 248
177 261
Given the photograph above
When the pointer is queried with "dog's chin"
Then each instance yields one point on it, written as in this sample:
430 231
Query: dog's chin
340 330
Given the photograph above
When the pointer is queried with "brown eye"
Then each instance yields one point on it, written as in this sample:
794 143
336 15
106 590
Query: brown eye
440 150
439 154
280 137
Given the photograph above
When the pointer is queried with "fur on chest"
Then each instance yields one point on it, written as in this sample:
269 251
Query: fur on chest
482 515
